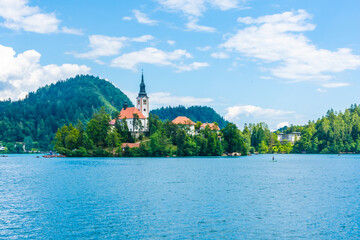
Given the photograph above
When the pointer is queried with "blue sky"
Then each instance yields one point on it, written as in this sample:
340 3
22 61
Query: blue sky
281 62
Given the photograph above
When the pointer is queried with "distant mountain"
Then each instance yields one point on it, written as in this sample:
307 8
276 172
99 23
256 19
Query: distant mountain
41 113
195 113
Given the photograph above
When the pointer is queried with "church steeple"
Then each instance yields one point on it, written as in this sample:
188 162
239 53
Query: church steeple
142 101
142 92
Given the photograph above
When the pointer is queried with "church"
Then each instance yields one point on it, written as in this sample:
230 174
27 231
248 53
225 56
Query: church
141 110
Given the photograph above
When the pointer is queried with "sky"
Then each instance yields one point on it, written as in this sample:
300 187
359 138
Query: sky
281 62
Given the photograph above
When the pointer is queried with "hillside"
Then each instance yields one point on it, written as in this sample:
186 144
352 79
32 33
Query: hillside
195 113
41 113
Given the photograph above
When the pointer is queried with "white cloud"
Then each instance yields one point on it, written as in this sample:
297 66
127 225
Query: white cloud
171 42
127 18
254 111
143 38
148 55
193 26
72 31
22 73
220 55
225 4
321 90
242 114
282 124
164 99
142 18
191 66
193 9
197 7
18 15
167 99
335 85
278 38
155 56
190 7
204 49
102 45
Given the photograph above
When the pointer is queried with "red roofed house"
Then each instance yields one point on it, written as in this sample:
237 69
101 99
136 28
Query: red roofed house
186 122
141 109
212 126
130 145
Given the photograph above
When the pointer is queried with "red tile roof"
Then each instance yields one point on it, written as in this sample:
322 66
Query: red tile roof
183 120
211 125
130 145
128 113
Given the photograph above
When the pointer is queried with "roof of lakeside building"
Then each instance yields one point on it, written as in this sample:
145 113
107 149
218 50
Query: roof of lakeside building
130 145
183 120
128 113
212 126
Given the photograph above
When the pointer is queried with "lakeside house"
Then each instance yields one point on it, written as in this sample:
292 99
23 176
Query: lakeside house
212 126
185 123
130 145
290 137
141 111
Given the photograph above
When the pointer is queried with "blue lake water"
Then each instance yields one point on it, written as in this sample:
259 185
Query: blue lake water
299 196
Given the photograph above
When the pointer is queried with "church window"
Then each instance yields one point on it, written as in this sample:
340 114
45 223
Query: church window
144 101
144 110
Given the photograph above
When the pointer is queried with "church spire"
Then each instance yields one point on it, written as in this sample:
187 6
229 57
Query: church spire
142 92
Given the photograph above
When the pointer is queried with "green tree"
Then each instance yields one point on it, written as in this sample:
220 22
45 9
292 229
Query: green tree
113 139
233 141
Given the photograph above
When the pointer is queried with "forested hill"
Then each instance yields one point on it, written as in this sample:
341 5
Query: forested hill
195 113
41 113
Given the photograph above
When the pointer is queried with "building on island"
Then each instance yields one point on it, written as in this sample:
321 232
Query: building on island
290 137
142 100
129 145
186 123
212 126
136 117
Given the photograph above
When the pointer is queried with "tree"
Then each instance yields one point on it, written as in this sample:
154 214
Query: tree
137 125
98 127
263 148
113 139
28 141
234 142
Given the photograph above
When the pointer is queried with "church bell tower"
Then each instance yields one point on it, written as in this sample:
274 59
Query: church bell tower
142 101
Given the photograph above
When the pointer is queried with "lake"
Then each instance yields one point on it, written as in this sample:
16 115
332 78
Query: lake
298 196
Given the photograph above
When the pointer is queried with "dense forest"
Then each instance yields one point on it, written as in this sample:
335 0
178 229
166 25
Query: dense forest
195 113
336 132
35 119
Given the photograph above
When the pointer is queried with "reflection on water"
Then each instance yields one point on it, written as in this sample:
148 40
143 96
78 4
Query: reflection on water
299 196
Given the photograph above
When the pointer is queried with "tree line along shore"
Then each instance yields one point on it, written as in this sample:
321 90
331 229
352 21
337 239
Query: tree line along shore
336 132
